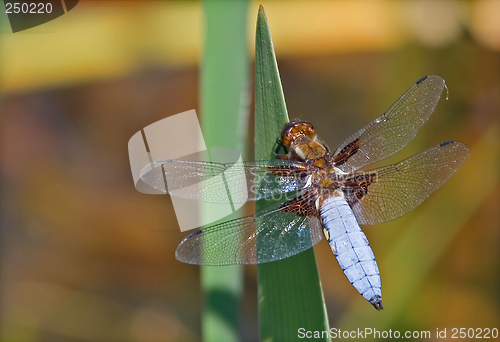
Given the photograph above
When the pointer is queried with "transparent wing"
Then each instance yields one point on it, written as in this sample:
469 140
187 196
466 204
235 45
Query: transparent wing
394 129
392 191
271 234
225 183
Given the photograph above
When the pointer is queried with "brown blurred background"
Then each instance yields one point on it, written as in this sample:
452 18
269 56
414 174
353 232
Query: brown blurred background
85 257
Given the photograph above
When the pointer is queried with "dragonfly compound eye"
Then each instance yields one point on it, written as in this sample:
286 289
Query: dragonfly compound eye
295 129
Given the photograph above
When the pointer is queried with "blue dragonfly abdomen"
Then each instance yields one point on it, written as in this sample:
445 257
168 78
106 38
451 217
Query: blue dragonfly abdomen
351 248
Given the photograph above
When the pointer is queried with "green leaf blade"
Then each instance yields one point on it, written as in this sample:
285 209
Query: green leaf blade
270 107
290 294
224 108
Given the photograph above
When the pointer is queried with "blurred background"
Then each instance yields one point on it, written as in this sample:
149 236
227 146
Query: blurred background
85 257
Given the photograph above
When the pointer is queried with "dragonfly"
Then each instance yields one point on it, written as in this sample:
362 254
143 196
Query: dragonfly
323 194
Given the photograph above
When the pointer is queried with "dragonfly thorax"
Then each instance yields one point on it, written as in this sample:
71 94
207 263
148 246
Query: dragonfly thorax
325 178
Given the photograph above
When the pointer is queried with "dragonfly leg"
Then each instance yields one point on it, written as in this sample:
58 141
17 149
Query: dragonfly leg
279 146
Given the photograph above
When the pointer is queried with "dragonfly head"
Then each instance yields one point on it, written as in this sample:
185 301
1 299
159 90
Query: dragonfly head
296 129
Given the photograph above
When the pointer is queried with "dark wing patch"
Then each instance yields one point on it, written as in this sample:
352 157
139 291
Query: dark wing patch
343 155
356 187
303 205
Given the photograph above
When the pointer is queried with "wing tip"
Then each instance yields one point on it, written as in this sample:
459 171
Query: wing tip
185 255
421 79
459 145
447 142
431 77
